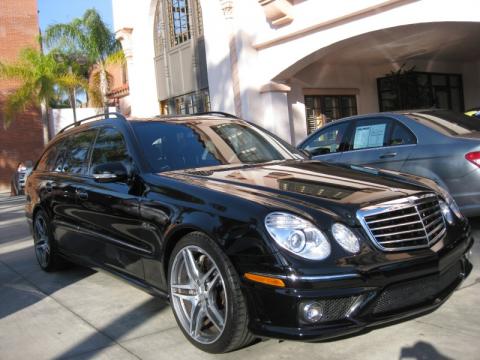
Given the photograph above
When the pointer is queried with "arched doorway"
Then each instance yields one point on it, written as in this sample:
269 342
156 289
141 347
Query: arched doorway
434 64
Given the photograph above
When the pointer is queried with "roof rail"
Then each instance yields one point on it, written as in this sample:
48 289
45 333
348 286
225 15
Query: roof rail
219 113
105 115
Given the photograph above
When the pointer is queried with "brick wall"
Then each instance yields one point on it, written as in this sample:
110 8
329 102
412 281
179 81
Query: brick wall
23 140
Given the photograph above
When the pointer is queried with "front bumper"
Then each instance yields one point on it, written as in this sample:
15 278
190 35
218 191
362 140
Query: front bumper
356 303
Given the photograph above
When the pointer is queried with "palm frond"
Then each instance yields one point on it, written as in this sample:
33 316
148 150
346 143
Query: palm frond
16 102
40 77
88 35
72 81
118 57
94 90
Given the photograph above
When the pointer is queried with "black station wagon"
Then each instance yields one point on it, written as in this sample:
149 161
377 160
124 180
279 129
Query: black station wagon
243 234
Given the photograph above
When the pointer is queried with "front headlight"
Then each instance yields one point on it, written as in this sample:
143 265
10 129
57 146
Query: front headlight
297 235
346 238
450 201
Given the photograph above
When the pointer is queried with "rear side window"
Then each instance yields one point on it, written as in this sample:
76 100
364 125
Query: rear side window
401 135
76 161
110 147
370 133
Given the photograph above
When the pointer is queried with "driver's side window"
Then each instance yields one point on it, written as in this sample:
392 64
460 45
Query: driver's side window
329 140
110 147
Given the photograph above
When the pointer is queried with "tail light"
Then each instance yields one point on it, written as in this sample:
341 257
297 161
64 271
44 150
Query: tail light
473 157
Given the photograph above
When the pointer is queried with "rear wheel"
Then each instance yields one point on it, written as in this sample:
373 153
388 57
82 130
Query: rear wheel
206 297
45 250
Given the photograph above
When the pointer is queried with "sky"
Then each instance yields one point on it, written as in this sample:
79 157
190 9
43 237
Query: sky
61 11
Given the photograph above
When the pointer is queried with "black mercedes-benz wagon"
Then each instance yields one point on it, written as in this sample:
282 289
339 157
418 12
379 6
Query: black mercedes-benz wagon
243 234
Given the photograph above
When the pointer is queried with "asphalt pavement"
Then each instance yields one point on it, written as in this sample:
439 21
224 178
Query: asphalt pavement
82 314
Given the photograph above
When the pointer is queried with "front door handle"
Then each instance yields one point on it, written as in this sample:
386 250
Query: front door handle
82 194
388 155
49 186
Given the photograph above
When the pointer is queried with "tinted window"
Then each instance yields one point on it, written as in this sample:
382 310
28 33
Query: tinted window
76 161
47 161
110 147
369 133
447 122
401 135
184 145
248 144
329 140
61 155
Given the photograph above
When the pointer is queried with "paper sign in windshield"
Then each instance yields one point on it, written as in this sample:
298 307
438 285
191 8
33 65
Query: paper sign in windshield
369 136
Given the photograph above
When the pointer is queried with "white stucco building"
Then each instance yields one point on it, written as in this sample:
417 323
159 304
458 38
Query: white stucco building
288 65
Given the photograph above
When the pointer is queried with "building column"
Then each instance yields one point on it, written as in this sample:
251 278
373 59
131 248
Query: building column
296 112
275 110
227 8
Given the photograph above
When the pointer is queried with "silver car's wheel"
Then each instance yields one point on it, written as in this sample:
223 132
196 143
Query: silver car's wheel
41 241
199 296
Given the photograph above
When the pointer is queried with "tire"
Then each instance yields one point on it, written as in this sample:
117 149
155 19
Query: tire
213 296
44 245
13 190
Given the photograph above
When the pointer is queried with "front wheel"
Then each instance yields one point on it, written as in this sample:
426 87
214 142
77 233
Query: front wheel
206 297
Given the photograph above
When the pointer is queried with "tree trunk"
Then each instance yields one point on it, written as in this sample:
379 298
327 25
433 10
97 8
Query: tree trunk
73 98
45 120
73 104
104 87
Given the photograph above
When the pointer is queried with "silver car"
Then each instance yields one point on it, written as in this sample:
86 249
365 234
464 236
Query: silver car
438 144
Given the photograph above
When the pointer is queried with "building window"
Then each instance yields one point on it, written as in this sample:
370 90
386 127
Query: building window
199 18
191 103
179 22
322 109
158 31
417 90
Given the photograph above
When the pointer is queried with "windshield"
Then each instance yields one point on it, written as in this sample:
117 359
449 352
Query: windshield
447 122
202 143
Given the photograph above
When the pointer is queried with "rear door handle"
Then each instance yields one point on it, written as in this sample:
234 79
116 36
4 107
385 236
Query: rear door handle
388 155
82 194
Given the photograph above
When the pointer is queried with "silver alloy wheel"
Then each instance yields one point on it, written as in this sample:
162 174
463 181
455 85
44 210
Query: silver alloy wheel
42 242
198 294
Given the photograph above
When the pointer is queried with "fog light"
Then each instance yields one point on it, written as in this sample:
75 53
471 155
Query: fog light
312 312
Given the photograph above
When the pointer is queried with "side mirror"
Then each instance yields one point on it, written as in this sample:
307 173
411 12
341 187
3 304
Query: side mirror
307 153
320 151
110 172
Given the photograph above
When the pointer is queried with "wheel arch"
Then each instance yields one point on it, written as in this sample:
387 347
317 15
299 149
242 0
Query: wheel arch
173 238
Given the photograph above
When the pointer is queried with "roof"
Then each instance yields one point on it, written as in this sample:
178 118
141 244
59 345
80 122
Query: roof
211 115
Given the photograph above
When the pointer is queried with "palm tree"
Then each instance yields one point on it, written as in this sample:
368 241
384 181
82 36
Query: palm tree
76 64
40 77
90 36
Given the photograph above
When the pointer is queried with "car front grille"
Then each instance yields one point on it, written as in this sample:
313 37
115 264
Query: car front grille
409 223
415 292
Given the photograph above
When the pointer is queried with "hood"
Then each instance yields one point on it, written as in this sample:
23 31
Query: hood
306 183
